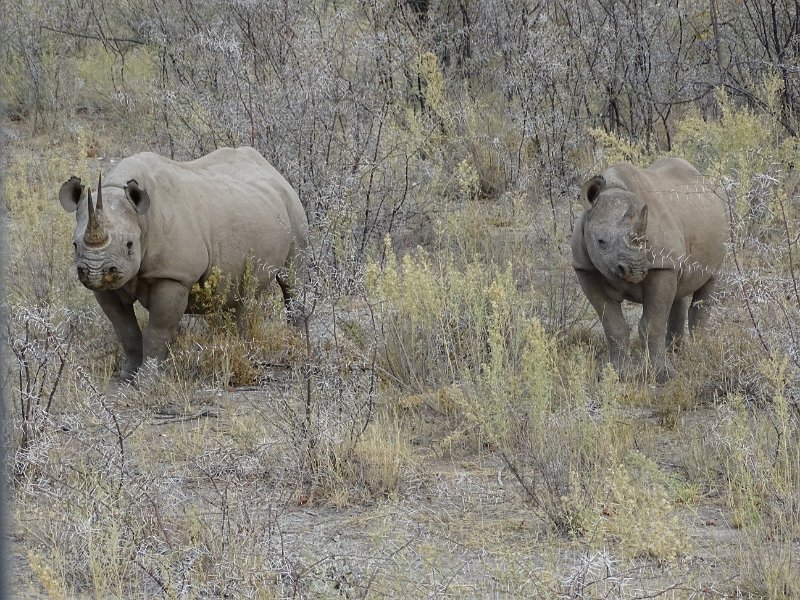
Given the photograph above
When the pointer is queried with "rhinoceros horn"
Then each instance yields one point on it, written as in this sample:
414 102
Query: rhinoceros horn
641 224
95 235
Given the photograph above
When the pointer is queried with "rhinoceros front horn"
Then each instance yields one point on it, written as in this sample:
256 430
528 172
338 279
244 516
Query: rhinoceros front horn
95 235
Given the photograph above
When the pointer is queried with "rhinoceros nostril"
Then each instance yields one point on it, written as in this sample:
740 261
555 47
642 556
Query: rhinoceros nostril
622 272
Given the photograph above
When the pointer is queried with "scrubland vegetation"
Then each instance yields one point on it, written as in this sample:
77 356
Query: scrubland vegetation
444 425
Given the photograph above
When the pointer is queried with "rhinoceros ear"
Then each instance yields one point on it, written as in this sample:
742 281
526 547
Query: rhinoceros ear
139 197
70 194
591 189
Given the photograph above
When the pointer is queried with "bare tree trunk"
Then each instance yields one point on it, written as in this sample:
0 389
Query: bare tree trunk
723 57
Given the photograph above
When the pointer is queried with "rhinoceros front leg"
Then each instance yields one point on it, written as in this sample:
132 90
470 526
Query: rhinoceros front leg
167 303
610 312
123 319
657 303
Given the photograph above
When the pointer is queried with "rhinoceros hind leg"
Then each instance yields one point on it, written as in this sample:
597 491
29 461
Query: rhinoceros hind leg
295 311
701 304
676 323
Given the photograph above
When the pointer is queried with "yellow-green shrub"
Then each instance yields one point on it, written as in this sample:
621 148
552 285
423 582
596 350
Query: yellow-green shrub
746 147
511 385
754 452
641 517
41 232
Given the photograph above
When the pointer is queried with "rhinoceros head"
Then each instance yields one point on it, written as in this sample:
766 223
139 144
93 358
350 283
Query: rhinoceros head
614 230
107 239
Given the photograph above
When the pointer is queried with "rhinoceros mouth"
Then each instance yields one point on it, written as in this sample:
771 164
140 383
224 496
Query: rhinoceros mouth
629 274
99 283
95 286
635 277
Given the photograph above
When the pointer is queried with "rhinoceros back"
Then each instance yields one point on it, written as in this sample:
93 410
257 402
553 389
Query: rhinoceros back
687 225
220 210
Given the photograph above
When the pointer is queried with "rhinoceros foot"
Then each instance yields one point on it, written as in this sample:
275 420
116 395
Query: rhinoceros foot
128 370
665 374
146 376
662 372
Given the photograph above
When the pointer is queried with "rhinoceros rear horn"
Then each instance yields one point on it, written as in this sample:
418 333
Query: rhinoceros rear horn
640 228
70 194
591 190
99 193
139 197
94 235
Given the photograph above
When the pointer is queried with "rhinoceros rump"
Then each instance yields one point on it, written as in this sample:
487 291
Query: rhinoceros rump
155 227
654 236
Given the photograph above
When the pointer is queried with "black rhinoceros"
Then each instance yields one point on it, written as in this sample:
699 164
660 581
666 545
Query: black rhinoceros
654 236
156 227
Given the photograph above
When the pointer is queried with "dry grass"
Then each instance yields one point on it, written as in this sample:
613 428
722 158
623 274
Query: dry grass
446 430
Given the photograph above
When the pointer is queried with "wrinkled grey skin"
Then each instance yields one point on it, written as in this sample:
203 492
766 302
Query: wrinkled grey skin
156 227
654 236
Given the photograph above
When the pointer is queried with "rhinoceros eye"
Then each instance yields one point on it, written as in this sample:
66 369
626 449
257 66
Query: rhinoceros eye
129 246
602 244
75 246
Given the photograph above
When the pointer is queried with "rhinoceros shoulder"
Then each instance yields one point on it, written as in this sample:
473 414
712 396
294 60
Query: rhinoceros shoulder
662 176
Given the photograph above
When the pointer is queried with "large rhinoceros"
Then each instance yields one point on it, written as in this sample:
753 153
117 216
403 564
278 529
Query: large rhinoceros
654 236
155 227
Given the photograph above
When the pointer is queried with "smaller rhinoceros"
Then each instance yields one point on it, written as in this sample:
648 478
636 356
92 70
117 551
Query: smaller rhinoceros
654 236
156 227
